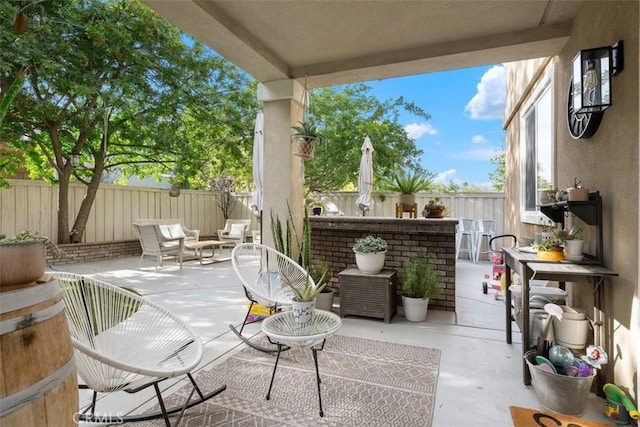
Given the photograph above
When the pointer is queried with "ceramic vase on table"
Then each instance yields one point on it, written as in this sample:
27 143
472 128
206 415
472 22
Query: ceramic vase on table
303 310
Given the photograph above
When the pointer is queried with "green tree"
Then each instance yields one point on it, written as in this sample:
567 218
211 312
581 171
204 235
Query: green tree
347 114
498 177
116 84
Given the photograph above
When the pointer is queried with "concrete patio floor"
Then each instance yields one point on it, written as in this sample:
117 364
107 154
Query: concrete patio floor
479 378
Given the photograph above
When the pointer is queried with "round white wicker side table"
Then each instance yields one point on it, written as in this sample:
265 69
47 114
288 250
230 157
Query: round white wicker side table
282 330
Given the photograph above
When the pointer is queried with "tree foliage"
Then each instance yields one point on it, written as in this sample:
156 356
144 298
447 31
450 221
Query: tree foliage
347 114
498 177
116 84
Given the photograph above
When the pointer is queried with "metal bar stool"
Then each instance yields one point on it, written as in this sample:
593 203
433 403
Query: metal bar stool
486 232
467 232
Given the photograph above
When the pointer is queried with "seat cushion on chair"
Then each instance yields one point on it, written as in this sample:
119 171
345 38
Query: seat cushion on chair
236 231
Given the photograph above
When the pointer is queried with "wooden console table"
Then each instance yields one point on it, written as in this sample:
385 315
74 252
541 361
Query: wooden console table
528 266
370 295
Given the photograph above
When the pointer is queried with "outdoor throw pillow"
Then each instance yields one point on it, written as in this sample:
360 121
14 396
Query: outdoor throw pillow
236 230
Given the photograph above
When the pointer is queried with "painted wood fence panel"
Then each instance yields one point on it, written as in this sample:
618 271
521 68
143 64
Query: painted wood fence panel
32 205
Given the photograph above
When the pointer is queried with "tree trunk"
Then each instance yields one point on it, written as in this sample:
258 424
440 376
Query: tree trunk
63 207
87 202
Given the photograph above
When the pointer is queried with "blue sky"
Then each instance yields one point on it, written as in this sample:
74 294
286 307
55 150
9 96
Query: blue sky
465 129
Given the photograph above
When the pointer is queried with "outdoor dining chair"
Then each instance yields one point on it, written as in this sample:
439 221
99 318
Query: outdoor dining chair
261 270
122 341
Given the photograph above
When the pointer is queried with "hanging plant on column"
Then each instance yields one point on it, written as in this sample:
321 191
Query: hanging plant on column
305 138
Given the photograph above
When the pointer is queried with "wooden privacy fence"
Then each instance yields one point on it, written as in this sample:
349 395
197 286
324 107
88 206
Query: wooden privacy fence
32 205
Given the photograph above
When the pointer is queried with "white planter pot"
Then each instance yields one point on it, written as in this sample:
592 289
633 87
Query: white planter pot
573 250
324 301
370 263
415 309
303 310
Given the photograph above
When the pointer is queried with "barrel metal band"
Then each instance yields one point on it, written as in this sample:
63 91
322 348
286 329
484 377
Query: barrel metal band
15 401
11 325
26 297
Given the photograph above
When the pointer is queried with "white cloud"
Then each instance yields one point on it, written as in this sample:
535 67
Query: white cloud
489 102
478 139
416 130
444 178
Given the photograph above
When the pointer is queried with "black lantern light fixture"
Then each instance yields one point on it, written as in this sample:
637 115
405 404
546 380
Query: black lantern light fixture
74 159
591 77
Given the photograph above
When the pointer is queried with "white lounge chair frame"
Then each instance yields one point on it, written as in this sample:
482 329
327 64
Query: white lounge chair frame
260 269
160 240
122 341
225 233
190 235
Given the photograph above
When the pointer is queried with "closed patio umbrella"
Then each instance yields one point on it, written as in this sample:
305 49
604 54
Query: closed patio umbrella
258 154
365 178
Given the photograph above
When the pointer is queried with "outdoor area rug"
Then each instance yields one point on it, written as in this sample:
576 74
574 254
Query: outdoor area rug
524 417
364 383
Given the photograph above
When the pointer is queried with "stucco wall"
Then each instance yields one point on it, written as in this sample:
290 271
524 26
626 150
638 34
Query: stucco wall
607 162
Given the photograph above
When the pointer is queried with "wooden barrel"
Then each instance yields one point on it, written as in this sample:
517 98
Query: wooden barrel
38 383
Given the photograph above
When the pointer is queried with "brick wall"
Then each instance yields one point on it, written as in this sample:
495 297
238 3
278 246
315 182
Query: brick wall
85 252
333 238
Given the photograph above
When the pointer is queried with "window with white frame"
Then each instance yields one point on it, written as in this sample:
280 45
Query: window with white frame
537 148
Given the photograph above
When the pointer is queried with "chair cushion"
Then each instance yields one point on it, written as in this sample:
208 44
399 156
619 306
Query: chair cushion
236 230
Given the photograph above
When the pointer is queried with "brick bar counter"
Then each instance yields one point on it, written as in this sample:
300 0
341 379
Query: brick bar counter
334 236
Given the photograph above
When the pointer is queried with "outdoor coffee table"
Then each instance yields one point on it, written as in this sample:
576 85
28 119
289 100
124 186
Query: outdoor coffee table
282 330
205 244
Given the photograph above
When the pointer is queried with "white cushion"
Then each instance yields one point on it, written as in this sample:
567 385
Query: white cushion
236 230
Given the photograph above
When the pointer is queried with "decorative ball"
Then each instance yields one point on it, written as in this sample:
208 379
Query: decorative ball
561 356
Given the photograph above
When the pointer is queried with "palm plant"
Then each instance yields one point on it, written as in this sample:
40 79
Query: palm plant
408 182
308 131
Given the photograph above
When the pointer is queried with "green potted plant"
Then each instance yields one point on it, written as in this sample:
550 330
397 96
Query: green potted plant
23 257
304 299
434 208
305 137
370 254
549 248
320 273
420 281
407 184
573 244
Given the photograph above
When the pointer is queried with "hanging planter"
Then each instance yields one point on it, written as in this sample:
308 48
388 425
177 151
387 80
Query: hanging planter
174 191
305 138
304 146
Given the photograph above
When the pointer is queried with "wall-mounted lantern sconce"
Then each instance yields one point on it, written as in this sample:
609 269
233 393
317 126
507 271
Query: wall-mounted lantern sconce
591 77
74 159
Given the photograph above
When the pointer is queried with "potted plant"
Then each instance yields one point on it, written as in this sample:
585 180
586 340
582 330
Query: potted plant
420 281
573 244
549 248
305 138
434 209
577 193
370 254
407 184
304 299
320 273
23 257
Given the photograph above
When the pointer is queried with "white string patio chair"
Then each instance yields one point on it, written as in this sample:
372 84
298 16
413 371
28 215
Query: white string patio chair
122 341
260 270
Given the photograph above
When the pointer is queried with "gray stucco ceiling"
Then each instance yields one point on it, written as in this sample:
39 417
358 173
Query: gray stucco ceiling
342 41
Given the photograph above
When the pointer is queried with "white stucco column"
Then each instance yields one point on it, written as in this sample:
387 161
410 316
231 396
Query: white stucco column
282 100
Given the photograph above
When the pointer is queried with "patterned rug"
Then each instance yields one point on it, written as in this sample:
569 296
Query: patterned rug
364 383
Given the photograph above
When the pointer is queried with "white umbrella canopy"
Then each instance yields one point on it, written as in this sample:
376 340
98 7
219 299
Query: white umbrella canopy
258 163
365 179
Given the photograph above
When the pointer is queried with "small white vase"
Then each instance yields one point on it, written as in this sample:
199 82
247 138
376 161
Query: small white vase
370 263
415 309
303 310
573 250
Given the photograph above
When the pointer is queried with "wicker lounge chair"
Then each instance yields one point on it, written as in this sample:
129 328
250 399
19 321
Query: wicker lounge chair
124 342
160 240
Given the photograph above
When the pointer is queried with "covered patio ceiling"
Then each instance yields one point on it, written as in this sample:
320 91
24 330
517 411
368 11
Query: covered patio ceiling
331 42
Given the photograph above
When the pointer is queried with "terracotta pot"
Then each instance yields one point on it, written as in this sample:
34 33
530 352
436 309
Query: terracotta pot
21 263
